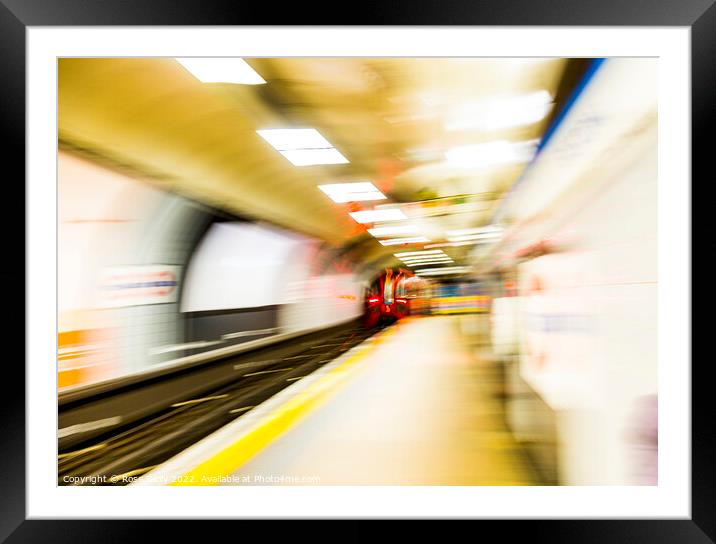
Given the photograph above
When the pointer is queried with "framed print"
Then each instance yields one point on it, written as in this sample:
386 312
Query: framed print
430 263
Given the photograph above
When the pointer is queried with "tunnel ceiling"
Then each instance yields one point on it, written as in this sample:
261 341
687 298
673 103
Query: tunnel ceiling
386 116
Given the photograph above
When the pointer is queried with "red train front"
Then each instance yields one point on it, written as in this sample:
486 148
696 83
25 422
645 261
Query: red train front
386 300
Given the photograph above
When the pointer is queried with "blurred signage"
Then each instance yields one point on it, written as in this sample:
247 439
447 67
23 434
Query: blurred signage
139 285
558 329
464 297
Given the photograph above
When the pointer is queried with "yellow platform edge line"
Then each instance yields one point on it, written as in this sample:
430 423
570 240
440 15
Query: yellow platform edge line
232 457
467 298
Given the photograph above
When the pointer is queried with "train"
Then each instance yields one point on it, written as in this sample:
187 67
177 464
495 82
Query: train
394 295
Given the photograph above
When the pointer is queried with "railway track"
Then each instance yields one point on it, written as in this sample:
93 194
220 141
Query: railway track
107 457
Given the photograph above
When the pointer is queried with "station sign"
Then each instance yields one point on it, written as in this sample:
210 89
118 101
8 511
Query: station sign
139 285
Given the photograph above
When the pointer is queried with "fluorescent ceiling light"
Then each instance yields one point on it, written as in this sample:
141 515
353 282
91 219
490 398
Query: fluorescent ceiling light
450 244
446 273
441 271
390 231
409 253
348 188
396 241
302 146
490 229
286 139
426 263
352 192
428 255
357 197
428 258
411 265
475 237
221 70
375 216
498 113
495 153
423 257
310 157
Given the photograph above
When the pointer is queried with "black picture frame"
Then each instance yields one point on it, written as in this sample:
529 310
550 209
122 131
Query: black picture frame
16 15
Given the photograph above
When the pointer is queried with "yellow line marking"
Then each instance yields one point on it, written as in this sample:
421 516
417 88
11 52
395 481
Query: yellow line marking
459 310
195 401
228 460
80 452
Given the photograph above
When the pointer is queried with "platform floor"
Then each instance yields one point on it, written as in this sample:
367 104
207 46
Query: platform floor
424 409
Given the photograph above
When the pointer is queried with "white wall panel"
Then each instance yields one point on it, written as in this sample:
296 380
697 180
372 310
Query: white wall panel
238 265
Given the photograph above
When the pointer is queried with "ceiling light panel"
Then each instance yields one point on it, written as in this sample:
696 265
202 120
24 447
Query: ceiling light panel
310 157
427 263
497 153
376 216
450 244
352 192
490 229
412 265
397 241
391 231
500 113
302 146
221 70
441 271
436 258
410 253
475 237
419 257
358 197
287 139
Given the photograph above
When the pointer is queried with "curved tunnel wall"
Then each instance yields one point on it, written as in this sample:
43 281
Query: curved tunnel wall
146 276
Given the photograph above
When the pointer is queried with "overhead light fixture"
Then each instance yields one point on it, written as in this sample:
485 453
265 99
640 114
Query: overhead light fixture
428 263
285 139
423 257
311 157
302 146
429 255
411 265
410 253
489 229
442 271
503 112
398 241
476 238
221 70
390 231
376 216
352 192
497 153
446 273
435 258
450 244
